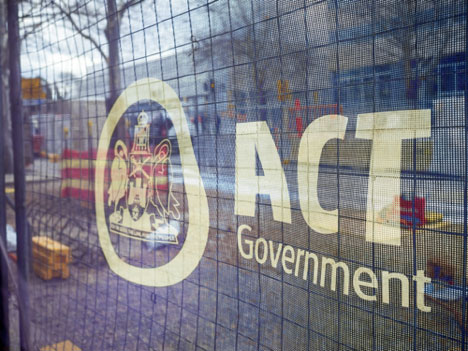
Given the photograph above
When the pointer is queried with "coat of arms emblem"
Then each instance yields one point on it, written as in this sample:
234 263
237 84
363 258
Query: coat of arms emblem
140 196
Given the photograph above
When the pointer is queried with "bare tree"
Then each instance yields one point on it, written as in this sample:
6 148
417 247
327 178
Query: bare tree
257 40
84 18
418 35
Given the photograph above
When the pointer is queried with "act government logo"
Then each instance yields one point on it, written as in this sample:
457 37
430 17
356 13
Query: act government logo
137 201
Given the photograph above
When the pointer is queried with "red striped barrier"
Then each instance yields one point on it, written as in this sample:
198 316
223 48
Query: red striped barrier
78 172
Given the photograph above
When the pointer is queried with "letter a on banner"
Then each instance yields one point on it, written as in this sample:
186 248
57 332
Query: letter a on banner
251 139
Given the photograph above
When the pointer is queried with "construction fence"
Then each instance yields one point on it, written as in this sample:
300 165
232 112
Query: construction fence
235 175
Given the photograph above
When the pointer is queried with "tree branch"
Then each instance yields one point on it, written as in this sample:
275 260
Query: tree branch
81 30
32 29
126 5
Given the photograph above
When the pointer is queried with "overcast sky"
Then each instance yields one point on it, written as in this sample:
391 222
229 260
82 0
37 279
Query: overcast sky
56 51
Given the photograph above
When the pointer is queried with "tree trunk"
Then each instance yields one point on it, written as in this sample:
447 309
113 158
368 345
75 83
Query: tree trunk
112 33
411 83
113 36
5 121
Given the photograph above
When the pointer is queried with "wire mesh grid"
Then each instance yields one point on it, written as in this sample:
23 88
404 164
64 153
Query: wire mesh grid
283 65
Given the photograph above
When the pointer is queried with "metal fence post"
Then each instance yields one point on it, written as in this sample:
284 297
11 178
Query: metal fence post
4 315
23 239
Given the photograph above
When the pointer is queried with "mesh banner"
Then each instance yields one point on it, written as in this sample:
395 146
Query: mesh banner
246 175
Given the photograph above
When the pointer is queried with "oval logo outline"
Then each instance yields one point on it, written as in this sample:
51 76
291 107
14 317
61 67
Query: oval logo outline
185 262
